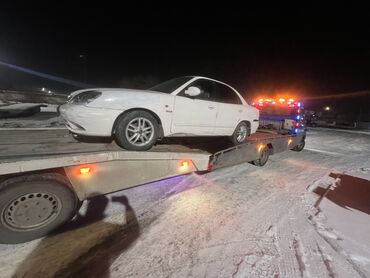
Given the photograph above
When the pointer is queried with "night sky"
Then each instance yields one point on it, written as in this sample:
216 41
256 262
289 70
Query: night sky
302 50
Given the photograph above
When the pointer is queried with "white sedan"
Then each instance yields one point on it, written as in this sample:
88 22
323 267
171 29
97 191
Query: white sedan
184 106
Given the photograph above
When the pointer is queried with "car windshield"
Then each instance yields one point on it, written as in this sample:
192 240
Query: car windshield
170 85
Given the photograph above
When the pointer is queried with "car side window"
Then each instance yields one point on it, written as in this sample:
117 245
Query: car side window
225 94
206 87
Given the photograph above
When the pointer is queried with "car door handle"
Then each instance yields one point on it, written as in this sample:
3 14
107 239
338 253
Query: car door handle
210 107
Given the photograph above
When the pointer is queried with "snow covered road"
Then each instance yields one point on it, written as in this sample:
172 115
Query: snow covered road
242 221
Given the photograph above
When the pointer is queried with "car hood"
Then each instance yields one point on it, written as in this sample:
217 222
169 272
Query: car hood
116 98
115 91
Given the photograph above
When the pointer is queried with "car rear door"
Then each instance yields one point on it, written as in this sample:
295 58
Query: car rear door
230 109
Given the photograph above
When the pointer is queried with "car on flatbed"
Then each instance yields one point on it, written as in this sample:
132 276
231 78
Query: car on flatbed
185 106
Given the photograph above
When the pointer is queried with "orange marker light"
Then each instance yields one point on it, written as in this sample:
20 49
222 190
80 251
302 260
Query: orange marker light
260 147
290 141
281 99
185 164
85 170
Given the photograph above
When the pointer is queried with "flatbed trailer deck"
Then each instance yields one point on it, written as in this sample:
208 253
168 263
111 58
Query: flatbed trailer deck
44 175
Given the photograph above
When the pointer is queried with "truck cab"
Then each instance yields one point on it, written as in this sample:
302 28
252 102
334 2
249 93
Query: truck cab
280 114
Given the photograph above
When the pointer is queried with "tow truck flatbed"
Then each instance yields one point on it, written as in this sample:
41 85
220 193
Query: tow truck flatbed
26 145
35 162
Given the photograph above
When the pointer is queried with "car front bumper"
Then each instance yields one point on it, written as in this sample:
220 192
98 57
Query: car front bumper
89 121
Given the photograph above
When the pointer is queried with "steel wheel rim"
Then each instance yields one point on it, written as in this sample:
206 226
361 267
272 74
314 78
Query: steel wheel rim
241 133
139 131
31 211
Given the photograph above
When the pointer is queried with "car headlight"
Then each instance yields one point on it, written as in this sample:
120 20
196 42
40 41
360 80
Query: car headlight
84 97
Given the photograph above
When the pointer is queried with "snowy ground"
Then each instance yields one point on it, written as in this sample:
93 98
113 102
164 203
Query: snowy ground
295 217
46 118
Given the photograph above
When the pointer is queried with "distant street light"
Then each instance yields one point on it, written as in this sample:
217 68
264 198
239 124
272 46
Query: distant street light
327 108
83 57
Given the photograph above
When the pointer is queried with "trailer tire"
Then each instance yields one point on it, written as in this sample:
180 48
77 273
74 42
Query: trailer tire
299 147
123 131
32 206
265 153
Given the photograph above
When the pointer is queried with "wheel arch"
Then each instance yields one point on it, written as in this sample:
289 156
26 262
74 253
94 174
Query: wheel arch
46 173
249 124
271 148
123 114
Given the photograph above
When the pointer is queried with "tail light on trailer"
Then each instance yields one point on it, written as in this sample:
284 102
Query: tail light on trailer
185 165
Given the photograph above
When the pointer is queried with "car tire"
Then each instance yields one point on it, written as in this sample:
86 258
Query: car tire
299 147
33 206
132 131
237 138
265 153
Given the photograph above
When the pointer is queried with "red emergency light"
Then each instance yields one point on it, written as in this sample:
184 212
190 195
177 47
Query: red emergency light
290 102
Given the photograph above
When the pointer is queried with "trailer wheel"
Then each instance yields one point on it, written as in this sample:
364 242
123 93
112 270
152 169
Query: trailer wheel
299 147
265 153
137 131
32 206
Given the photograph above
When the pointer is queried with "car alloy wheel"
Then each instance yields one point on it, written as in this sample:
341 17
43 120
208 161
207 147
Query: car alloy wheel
241 133
139 131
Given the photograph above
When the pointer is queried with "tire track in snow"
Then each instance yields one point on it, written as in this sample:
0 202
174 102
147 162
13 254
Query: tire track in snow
327 262
299 256
330 239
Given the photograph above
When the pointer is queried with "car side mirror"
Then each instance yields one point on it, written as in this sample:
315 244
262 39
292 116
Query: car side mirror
193 91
